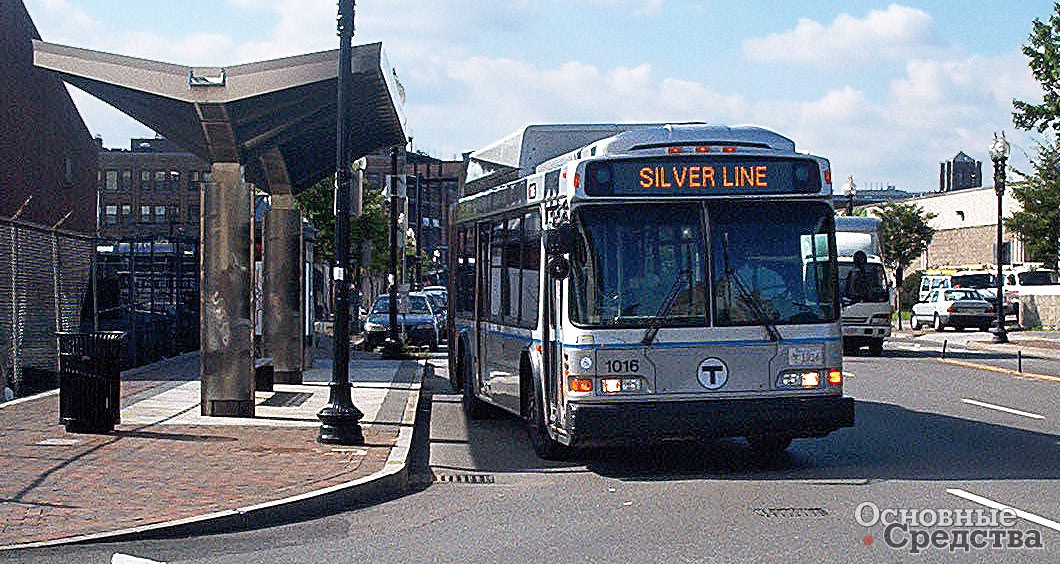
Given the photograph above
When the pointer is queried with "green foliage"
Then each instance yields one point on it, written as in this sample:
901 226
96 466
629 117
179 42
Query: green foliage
317 205
904 233
910 289
1038 223
1043 50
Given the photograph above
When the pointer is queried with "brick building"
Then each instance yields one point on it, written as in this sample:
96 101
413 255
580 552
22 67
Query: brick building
47 209
47 152
151 189
965 226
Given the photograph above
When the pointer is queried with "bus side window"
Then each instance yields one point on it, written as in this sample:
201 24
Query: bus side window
498 286
531 272
513 263
484 270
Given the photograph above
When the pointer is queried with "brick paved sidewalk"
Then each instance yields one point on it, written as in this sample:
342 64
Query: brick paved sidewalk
57 485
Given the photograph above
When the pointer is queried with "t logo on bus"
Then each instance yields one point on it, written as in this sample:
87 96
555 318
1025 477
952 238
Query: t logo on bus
713 373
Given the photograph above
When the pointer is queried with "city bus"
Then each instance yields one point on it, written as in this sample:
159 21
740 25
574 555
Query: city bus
657 282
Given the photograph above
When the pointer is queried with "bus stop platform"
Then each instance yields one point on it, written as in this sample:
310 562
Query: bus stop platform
166 471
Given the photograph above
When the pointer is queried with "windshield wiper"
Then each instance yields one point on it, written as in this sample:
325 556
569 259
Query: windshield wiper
754 304
664 308
745 295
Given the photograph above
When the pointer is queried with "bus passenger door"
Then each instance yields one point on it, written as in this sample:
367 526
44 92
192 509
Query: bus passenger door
482 311
552 376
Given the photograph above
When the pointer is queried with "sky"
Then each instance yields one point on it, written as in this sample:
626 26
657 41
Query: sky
885 91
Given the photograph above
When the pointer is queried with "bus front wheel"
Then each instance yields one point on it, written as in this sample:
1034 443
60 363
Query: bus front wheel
474 408
537 428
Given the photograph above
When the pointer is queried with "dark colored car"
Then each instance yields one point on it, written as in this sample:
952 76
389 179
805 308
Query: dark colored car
417 322
439 298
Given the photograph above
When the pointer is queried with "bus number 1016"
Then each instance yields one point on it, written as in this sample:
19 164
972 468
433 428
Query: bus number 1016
623 366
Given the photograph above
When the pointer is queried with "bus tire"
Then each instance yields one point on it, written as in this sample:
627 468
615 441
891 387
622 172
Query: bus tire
474 408
769 444
544 446
456 376
876 347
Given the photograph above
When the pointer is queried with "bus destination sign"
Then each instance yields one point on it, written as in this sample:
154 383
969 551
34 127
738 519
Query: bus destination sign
703 177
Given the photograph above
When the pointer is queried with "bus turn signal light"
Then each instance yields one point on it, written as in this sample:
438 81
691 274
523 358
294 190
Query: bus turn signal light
581 385
835 377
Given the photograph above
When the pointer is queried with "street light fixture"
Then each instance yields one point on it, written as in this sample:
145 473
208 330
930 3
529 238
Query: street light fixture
999 151
852 190
339 418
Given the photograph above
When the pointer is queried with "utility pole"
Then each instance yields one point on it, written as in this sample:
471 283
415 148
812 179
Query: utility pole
339 418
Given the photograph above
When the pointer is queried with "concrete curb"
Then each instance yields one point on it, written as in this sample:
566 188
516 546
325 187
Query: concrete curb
392 478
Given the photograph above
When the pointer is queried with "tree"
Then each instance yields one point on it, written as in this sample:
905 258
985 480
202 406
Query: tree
1038 223
904 236
1043 50
317 205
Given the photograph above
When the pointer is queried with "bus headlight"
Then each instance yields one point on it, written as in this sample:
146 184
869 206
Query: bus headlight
621 385
803 379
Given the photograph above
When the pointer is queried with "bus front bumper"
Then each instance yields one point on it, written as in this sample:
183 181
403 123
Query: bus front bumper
601 424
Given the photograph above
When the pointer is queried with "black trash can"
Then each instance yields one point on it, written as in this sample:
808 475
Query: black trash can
90 381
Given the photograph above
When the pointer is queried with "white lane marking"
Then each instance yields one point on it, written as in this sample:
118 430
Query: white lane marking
120 558
1002 408
996 505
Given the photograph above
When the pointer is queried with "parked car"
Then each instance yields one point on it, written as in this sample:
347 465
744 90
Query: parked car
416 321
953 307
439 298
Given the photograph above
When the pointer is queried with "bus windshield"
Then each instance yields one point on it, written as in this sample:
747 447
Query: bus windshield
628 258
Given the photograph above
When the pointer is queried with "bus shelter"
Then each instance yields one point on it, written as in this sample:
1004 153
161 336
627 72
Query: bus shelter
270 126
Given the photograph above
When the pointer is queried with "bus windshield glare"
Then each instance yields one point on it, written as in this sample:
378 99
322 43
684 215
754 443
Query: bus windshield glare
765 260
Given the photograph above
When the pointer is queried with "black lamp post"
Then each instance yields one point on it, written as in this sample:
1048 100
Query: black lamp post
338 419
999 151
392 347
852 190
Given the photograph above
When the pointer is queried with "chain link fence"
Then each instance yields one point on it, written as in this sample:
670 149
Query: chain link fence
43 289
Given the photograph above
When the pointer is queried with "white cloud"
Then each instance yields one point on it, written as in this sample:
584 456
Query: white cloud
505 94
896 32
470 81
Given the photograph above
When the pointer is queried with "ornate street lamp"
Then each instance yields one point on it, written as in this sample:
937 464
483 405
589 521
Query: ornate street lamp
999 151
339 418
852 190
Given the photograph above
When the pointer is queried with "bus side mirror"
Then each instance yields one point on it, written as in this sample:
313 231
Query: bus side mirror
559 240
558 267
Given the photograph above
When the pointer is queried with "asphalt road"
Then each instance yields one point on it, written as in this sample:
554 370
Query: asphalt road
931 437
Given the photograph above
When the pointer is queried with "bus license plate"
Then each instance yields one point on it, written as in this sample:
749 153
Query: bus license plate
805 356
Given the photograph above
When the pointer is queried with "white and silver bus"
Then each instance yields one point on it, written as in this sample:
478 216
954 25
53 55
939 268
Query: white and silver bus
656 282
